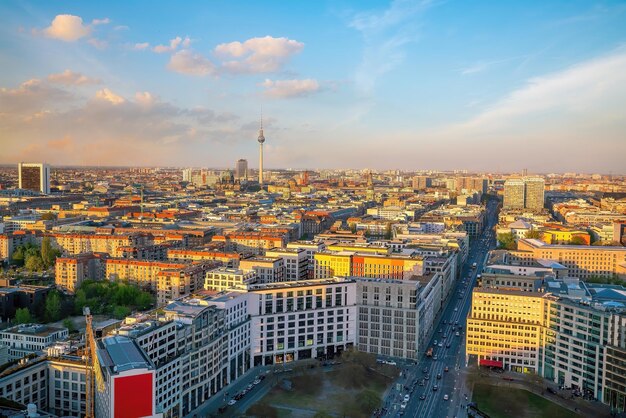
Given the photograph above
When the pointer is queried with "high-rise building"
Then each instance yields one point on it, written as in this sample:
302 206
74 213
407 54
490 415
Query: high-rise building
187 174
241 169
534 192
514 190
422 182
34 176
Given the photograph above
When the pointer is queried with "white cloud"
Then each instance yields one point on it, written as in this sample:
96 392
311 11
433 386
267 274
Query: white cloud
68 28
257 55
141 46
145 98
98 43
186 62
290 88
588 89
69 77
174 44
104 21
108 96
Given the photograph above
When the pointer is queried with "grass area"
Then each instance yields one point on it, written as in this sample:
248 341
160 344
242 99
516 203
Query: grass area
353 389
505 402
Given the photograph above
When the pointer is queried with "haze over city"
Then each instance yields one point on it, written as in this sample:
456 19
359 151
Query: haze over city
401 84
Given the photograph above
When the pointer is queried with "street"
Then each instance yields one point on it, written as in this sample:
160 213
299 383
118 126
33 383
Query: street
450 348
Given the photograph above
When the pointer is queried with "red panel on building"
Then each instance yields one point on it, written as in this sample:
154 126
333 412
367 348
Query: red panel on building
133 396
491 363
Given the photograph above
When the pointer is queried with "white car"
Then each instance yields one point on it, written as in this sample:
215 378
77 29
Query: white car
457 333
256 382
403 405
446 397
232 402
406 398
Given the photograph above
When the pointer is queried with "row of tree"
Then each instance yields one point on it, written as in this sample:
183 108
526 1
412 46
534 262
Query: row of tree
508 241
103 297
34 257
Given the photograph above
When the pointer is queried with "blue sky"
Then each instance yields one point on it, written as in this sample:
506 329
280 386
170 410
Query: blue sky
491 86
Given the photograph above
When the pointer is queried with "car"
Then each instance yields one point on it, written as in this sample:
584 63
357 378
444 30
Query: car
456 322
406 398
250 386
435 357
232 402
441 331
438 376
425 370
456 309
457 333
444 321
435 388
460 297
421 383
440 344
256 381
261 377
427 377
422 397
391 363
446 369
403 405
446 397
435 342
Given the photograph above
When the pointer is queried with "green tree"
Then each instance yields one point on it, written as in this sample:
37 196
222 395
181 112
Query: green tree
23 316
533 233
368 400
48 216
353 228
507 241
34 263
578 240
121 312
47 254
69 324
52 310
18 256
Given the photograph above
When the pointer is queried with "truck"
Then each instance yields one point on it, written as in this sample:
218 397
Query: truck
429 352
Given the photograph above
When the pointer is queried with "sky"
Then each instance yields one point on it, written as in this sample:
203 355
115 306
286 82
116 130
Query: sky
410 85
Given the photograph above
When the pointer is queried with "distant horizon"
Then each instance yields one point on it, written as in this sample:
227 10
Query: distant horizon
448 171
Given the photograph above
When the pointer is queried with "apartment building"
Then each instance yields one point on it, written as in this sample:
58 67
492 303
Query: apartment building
250 243
388 322
98 243
302 319
345 264
26 339
168 280
224 278
295 261
71 271
582 261
267 269
179 254
310 248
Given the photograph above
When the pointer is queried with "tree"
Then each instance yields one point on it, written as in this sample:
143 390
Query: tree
46 252
48 216
121 312
353 227
18 256
368 400
507 241
52 310
578 240
533 233
23 316
34 263
69 324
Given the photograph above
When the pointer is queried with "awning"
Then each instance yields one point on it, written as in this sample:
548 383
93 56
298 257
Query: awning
491 363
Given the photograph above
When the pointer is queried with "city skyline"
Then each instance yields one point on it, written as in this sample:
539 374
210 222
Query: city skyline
406 85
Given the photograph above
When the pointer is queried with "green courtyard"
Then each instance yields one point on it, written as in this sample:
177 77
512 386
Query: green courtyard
506 402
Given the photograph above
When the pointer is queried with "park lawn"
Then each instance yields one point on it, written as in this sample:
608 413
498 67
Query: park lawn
331 395
505 402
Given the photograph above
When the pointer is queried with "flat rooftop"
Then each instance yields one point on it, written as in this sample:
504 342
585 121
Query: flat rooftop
120 354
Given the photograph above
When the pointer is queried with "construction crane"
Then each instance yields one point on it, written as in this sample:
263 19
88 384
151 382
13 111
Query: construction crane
90 354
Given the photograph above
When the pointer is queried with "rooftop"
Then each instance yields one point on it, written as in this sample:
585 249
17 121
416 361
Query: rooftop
120 354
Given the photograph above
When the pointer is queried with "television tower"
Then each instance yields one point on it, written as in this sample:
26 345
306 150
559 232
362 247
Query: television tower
261 140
